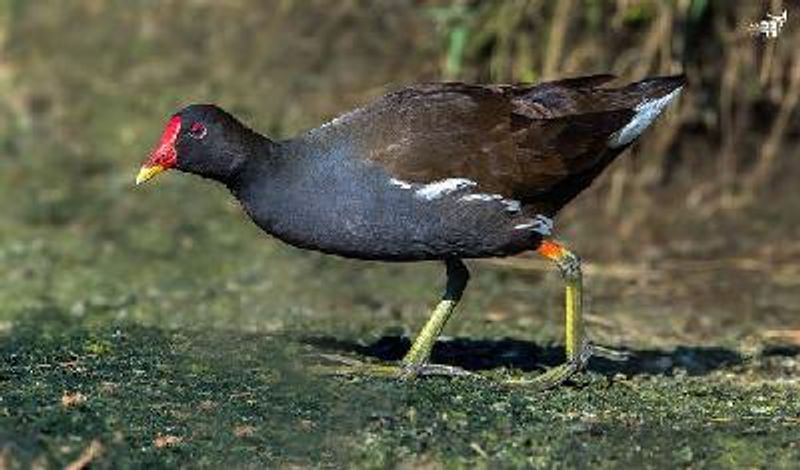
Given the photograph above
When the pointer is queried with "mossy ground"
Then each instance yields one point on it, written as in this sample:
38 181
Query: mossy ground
155 326
151 396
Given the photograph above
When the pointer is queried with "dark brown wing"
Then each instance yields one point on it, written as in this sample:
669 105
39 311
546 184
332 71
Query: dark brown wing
538 144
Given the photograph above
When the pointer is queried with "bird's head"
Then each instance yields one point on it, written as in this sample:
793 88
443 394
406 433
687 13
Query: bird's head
202 139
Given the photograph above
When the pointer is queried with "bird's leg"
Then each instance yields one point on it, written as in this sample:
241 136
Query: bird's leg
577 348
457 279
415 361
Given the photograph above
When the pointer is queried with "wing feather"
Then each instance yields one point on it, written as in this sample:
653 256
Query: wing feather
530 143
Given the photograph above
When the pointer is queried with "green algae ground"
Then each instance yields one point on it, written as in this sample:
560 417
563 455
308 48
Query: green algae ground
157 397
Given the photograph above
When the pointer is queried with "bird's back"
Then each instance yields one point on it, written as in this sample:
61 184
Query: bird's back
540 144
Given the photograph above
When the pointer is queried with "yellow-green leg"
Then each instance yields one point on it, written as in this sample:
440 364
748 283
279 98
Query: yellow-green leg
415 361
420 352
577 348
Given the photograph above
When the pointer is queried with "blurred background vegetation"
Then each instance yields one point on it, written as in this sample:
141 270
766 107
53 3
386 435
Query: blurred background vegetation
692 236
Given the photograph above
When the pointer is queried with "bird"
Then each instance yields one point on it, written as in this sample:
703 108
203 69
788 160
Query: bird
443 171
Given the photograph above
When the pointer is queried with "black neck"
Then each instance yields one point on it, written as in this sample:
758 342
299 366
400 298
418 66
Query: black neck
262 155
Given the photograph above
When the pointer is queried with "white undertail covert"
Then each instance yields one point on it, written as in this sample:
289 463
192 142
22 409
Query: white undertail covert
646 112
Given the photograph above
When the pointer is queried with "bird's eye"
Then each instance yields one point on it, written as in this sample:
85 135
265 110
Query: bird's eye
197 130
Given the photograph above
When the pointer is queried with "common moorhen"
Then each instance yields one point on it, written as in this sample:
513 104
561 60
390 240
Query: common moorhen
441 171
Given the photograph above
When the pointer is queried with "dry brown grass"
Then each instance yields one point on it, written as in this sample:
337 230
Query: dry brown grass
743 96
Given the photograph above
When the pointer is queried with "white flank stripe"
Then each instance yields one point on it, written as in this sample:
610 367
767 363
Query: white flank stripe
438 189
646 113
512 205
441 188
400 183
482 197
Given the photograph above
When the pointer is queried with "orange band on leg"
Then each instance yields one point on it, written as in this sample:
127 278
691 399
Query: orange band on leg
550 250
570 266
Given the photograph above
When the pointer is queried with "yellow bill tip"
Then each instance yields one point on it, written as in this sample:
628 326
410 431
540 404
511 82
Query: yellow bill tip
147 172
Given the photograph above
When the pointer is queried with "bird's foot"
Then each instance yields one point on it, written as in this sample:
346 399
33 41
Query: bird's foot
344 366
610 354
559 374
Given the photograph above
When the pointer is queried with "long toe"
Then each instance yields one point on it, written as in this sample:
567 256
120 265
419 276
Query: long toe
345 366
559 374
611 354
439 370
355 369
550 379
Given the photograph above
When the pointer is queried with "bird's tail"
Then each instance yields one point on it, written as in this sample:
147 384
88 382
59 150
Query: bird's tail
590 140
647 98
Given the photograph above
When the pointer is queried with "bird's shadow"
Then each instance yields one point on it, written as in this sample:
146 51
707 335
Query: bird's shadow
487 354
